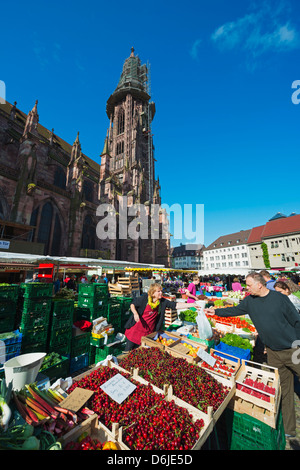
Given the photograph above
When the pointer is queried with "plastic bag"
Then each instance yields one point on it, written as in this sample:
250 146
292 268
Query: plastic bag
204 327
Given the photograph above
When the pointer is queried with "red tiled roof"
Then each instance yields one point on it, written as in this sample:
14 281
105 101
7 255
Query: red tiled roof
282 226
256 234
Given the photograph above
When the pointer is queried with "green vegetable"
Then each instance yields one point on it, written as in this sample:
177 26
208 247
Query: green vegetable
235 340
188 315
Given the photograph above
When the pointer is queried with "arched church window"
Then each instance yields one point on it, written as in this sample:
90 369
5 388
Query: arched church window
88 190
55 249
121 121
88 233
60 178
45 226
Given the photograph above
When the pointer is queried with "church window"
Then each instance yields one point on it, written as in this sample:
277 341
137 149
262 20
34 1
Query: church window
88 233
60 178
88 190
45 226
121 121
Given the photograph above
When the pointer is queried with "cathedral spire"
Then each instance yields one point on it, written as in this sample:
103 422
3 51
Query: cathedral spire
76 148
32 121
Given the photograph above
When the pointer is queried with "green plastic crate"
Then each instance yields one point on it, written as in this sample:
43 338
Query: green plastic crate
62 314
37 305
93 290
10 292
7 322
114 350
92 302
58 370
80 344
32 320
8 307
40 346
36 289
90 313
248 433
34 335
64 307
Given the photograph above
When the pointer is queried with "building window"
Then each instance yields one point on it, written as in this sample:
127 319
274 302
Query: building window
60 178
48 228
121 121
88 190
120 148
88 233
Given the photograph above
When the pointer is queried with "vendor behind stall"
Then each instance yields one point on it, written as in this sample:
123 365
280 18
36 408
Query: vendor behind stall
191 290
148 312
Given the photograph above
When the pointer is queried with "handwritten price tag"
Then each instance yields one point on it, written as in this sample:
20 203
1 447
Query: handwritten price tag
118 388
206 357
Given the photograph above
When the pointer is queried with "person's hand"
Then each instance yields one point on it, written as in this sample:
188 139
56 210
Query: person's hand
209 310
136 317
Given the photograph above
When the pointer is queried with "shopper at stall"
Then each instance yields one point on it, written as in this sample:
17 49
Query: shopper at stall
192 289
148 313
71 284
269 281
277 322
283 287
236 285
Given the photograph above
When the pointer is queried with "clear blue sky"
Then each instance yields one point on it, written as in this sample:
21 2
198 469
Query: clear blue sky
226 132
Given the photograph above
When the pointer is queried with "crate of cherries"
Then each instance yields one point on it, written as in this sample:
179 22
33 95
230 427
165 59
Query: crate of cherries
226 366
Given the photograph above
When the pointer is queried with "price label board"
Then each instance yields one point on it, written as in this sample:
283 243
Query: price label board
206 357
118 388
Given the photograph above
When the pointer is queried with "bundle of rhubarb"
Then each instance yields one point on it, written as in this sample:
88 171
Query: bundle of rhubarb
42 407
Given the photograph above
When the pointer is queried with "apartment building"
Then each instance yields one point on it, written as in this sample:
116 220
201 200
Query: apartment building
188 256
281 236
228 254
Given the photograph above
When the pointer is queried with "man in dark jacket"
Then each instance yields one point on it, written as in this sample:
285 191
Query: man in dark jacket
278 324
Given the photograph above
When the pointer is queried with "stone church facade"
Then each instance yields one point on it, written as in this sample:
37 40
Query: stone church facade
50 190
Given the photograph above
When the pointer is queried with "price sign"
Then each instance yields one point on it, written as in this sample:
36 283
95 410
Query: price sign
118 388
206 357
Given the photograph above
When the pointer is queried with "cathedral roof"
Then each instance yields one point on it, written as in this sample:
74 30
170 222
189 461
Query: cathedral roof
20 118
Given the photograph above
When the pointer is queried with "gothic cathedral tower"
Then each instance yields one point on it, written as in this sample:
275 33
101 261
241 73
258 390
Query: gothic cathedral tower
128 158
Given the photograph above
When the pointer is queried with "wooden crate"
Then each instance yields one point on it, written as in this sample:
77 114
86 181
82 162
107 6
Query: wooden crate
227 361
263 374
151 342
170 316
195 413
177 349
243 406
96 430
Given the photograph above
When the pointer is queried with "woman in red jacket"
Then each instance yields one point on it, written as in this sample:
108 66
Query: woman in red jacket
148 313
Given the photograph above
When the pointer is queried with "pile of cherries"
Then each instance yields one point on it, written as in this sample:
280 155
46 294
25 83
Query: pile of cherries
148 420
189 382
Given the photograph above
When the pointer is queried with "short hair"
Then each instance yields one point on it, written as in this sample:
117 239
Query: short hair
153 287
257 277
235 279
195 278
282 285
292 286
265 273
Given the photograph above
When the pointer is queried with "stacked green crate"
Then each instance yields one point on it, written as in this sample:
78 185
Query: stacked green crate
125 309
247 433
60 332
114 314
35 315
92 300
8 307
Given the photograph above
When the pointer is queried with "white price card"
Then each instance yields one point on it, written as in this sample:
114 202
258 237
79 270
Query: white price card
118 388
206 357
